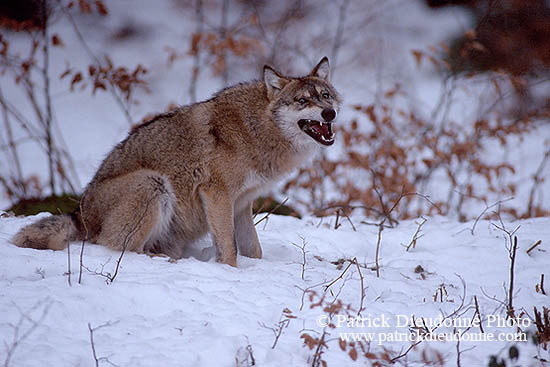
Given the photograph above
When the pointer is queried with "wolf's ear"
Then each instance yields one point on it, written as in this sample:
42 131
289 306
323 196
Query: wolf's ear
322 70
273 81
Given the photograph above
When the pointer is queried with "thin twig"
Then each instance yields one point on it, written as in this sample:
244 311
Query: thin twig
69 263
460 310
478 314
130 234
512 255
416 235
12 146
340 276
19 338
284 321
511 286
321 345
493 298
303 250
271 211
534 246
537 179
94 353
381 228
362 286
337 217
485 211
457 350
306 291
319 212
98 64
48 117
361 279
377 254
93 345
84 239
350 222
339 34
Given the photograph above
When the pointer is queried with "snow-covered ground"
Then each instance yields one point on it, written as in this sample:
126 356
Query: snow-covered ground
200 313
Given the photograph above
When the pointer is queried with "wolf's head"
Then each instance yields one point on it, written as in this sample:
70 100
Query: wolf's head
304 108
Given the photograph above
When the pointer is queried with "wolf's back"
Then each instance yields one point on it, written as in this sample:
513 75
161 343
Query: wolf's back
52 233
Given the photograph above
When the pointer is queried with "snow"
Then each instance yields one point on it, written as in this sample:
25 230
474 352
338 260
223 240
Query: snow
201 313
196 312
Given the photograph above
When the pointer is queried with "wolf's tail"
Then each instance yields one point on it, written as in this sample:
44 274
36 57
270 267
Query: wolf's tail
52 233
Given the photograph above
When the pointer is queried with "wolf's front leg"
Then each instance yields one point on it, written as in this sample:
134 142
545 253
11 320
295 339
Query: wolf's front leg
219 214
245 232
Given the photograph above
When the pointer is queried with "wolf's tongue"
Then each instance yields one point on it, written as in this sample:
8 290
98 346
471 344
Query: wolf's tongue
322 129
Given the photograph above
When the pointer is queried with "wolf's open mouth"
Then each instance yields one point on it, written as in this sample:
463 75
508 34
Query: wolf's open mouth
320 131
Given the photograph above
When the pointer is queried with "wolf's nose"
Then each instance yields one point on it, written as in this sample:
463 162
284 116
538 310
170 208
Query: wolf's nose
328 114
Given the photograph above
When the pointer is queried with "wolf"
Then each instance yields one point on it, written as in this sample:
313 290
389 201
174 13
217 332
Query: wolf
198 168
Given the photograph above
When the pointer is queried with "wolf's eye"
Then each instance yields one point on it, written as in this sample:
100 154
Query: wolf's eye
302 101
326 95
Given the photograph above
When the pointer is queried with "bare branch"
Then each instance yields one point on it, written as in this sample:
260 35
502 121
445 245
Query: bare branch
537 179
83 221
271 211
510 236
97 359
19 335
116 96
487 207
302 248
284 321
511 285
361 279
533 247
362 286
479 314
69 264
339 34
48 102
541 285
416 235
